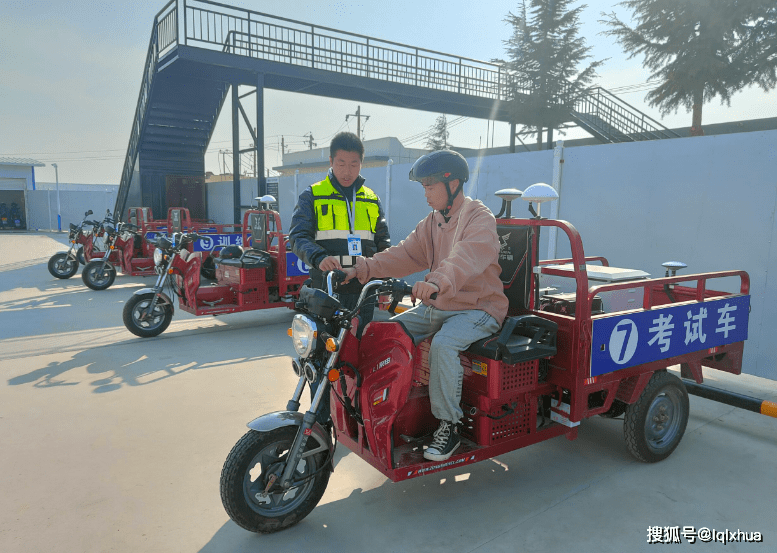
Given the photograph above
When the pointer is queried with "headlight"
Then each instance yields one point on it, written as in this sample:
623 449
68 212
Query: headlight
303 335
159 255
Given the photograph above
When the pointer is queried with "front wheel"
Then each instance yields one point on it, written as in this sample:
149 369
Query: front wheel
62 265
80 256
146 325
255 458
655 424
96 277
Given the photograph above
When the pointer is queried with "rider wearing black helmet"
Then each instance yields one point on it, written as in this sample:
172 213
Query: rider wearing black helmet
443 166
457 243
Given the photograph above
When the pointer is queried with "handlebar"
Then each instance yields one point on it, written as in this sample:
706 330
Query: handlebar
177 240
397 288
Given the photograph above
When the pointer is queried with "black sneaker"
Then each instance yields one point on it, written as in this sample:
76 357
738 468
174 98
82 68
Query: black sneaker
446 441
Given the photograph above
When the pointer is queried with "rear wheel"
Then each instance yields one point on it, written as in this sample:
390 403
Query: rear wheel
655 424
146 326
62 265
98 275
257 457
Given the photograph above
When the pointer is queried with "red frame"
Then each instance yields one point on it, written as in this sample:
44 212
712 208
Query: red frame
394 404
243 289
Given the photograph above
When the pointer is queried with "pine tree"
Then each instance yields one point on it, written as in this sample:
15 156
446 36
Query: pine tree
700 49
543 54
438 134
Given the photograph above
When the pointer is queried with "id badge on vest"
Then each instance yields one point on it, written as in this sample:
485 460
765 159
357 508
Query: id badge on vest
354 244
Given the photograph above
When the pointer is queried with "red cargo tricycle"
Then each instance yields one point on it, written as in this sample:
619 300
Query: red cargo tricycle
558 359
124 251
82 247
130 246
260 273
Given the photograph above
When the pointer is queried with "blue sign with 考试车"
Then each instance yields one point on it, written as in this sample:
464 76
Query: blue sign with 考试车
632 339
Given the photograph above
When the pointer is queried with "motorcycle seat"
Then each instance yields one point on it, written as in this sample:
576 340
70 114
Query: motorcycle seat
522 338
251 259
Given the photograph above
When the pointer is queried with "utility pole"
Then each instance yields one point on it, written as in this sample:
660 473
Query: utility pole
310 141
358 116
59 214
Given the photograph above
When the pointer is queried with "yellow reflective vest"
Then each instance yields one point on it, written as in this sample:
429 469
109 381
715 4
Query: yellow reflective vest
332 225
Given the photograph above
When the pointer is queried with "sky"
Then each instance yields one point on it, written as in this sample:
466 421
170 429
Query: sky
70 73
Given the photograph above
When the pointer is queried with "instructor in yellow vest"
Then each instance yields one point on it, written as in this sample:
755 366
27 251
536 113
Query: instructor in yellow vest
338 219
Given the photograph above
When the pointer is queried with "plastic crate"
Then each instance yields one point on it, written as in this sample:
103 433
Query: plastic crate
252 296
499 426
251 276
497 380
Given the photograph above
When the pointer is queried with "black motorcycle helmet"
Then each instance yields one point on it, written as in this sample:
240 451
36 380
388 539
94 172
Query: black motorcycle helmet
445 166
231 252
208 268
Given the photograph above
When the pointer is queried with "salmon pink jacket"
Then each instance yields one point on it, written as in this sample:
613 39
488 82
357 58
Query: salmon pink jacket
462 256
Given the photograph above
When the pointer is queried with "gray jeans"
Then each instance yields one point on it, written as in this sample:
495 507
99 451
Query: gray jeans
455 331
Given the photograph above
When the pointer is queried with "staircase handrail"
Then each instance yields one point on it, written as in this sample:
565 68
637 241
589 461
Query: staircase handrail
146 85
216 24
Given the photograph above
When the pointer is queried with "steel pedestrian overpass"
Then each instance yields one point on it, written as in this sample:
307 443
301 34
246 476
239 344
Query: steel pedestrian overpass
200 51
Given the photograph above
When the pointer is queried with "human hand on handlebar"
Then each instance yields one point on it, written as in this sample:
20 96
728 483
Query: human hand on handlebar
330 263
423 291
350 273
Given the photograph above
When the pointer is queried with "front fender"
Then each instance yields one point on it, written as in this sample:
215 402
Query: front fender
67 252
162 296
279 419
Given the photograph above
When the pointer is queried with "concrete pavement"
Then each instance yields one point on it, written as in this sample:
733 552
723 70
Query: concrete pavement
115 443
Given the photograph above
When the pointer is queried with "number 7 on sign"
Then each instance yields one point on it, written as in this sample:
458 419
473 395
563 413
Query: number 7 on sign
623 341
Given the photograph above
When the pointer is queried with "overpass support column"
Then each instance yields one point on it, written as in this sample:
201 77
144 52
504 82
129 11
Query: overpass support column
259 139
236 154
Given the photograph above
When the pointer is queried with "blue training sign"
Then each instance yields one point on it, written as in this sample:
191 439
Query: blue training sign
295 266
628 340
208 242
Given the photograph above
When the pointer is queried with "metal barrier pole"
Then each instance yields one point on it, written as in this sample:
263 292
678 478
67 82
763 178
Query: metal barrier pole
763 407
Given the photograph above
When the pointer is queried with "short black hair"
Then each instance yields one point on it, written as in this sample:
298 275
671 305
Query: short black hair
348 142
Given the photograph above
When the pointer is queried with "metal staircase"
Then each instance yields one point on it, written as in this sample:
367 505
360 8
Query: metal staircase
199 48
610 119
174 118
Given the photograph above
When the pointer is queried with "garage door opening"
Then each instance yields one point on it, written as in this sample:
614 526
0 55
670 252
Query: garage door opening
12 210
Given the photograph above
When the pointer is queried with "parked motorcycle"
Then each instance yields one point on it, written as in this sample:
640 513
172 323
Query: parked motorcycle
65 264
291 451
99 274
16 216
4 223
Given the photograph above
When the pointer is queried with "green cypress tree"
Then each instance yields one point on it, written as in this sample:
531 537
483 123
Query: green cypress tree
543 55
700 49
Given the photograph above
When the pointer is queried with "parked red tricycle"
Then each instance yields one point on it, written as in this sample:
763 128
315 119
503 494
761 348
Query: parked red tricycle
82 247
260 274
130 246
559 358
